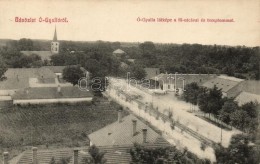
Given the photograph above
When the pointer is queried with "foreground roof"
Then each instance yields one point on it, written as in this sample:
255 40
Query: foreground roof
120 133
112 155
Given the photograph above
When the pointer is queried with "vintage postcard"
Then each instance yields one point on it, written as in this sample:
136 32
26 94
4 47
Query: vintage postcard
119 82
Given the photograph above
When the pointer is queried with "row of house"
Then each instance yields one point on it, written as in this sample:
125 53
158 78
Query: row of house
115 140
242 90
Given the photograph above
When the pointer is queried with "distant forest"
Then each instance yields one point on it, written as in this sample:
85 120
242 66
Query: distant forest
240 61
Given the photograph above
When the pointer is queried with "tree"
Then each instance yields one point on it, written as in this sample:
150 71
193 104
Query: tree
250 108
165 155
72 74
3 67
25 44
96 157
57 60
210 101
239 151
215 100
203 98
137 72
229 107
192 92
148 51
240 119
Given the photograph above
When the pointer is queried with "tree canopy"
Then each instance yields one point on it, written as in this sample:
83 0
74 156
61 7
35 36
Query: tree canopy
239 151
72 74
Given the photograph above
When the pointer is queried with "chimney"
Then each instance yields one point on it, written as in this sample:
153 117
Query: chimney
144 135
5 158
58 89
34 157
120 115
76 156
134 126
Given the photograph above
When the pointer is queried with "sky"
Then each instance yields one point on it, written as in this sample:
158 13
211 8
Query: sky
116 20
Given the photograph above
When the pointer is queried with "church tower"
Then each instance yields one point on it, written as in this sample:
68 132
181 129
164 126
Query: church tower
55 44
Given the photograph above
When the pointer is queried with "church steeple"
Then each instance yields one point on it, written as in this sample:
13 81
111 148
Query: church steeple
55 44
55 36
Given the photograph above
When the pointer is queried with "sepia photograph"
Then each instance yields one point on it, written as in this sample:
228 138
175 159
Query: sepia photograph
129 82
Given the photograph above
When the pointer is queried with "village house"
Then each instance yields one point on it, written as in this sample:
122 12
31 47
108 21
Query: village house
119 54
126 132
177 82
39 85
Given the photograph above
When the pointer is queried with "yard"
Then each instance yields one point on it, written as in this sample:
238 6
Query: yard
53 125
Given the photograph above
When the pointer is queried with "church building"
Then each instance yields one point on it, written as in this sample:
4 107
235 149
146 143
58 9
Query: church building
46 55
55 44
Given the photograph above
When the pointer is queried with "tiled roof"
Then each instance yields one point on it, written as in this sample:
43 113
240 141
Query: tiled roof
251 86
151 72
18 78
14 73
45 55
13 84
245 97
50 93
120 133
113 155
224 84
119 51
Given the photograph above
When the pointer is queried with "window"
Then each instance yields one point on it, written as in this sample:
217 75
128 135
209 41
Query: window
169 87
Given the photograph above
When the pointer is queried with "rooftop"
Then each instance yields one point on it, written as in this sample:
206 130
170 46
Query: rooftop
112 155
121 133
189 78
18 78
119 51
245 97
19 73
50 93
222 82
252 86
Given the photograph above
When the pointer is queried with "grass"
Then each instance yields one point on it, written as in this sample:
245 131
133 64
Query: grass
53 125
